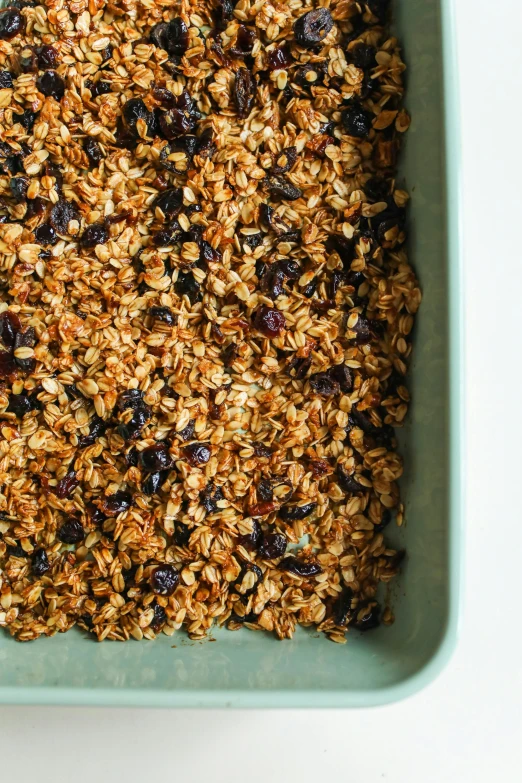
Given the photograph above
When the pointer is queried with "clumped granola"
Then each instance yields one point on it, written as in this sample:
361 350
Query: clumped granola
205 317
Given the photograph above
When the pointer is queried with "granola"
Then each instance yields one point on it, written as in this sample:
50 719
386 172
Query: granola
205 317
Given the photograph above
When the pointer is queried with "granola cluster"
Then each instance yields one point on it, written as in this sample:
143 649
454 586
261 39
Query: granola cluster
206 310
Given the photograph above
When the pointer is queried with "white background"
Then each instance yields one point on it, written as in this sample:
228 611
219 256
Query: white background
466 726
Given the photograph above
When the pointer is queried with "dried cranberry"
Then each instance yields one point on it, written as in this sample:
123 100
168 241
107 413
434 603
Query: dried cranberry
135 110
251 540
164 580
45 235
173 37
130 430
67 485
19 186
342 608
176 122
182 534
10 325
71 532
210 496
95 234
187 433
368 616
293 513
48 56
155 457
26 338
11 23
170 201
279 58
206 144
280 187
26 118
186 285
252 240
300 567
197 454
322 384
245 40
159 35
226 9
51 85
6 80
116 503
159 619
312 28
92 150
357 121
152 483
40 562
243 92
96 517
61 215
7 364
269 321
284 160
343 375
272 545
97 427
347 482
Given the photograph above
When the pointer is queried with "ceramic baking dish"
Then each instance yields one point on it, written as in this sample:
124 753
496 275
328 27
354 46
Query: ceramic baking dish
247 669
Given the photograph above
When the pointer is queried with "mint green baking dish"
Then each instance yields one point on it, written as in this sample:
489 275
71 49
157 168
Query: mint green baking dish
247 669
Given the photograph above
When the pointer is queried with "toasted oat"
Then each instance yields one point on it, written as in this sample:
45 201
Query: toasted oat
205 316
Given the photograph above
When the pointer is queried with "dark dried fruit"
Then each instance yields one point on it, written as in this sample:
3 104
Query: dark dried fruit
186 285
312 28
272 545
262 509
238 584
226 9
269 321
40 562
159 619
10 325
357 121
71 532
66 485
342 608
176 122
245 40
97 427
379 8
252 240
7 364
343 375
172 36
155 457
187 433
20 404
243 92
61 215
170 201
48 57
132 398
251 540
279 186
298 368
164 314
322 384
135 110
26 338
182 534
362 331
6 80
51 85
284 160
45 235
363 56
279 58
310 75
100 88
269 216
35 208
18 187
368 616
96 517
251 617
347 482
197 454
16 550
152 483
265 490
164 580
11 23
26 118
92 150
112 505
300 567
385 521
260 450
210 496
229 355
293 513
95 234
131 429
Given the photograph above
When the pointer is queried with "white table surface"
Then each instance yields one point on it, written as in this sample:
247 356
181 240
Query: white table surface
467 726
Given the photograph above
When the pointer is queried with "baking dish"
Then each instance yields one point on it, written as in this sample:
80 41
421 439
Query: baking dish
246 669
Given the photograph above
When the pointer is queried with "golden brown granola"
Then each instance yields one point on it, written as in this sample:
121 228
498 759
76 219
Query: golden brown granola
206 315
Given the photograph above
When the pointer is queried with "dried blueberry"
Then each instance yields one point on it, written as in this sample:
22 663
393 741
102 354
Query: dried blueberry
71 532
19 404
176 122
45 235
293 513
187 433
116 503
363 56
18 187
152 483
164 580
243 92
48 57
155 457
95 234
159 35
310 75
272 545
197 454
300 567
51 85
11 23
182 534
312 28
269 321
26 118
159 619
210 496
280 187
66 485
321 383
100 88
186 285
251 540
342 608
61 215
173 37
368 616
357 121
377 188
135 110
40 562
92 150
6 80
362 331
164 314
